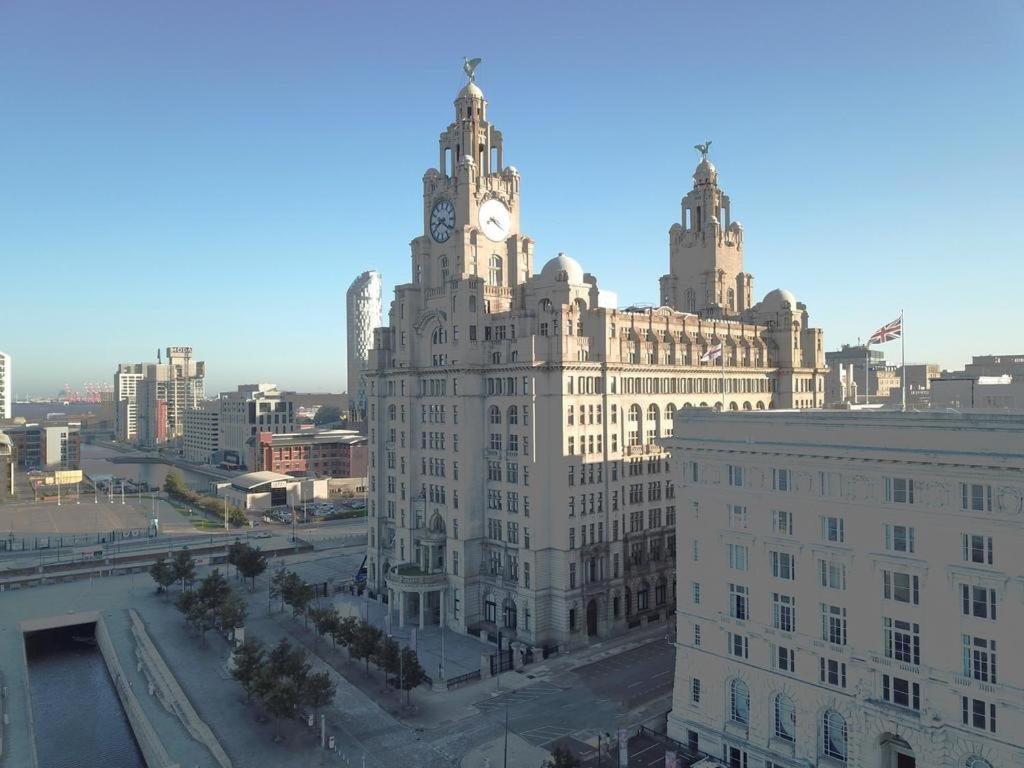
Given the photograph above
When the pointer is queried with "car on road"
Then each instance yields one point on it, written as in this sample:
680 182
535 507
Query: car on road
263 535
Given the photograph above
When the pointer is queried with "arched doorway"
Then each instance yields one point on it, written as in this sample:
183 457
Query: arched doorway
592 618
896 752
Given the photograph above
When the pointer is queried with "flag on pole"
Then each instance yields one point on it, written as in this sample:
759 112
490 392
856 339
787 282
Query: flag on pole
893 330
713 354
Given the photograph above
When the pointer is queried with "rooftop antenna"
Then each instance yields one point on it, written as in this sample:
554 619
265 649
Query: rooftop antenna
158 355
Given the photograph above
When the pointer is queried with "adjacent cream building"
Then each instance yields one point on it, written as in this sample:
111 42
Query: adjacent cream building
850 588
516 484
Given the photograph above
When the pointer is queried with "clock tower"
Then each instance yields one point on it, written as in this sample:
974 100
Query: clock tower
471 209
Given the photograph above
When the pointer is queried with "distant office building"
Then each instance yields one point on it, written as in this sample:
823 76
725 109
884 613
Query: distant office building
201 440
847 582
126 381
881 379
364 307
988 393
165 393
996 365
46 445
319 453
248 411
7 462
6 386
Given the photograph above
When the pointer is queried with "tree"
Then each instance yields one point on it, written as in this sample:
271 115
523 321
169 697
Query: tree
252 563
173 484
364 643
186 603
213 589
163 574
235 552
411 673
231 612
281 697
249 658
184 567
319 690
562 758
388 656
327 414
277 585
345 630
236 517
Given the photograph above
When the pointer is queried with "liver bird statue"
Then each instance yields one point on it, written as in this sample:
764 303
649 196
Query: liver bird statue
469 67
703 149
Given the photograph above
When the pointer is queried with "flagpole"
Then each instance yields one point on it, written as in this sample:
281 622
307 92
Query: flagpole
722 343
867 362
903 360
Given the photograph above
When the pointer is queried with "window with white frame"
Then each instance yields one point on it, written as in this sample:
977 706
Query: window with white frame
976 497
834 736
979 714
901 692
695 691
783 612
696 635
833 672
739 601
783 565
899 490
901 587
901 640
782 480
980 658
833 624
978 601
736 645
737 556
782 522
899 538
737 517
833 529
739 701
696 593
735 476
975 548
783 658
785 718
832 574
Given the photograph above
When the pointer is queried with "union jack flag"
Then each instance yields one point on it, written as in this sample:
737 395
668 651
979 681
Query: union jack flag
893 330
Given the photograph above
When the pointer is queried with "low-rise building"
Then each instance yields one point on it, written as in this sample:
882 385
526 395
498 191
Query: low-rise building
260 491
847 582
983 393
46 445
314 453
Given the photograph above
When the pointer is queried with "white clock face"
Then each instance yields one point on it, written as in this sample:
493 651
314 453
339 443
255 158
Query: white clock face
442 220
495 220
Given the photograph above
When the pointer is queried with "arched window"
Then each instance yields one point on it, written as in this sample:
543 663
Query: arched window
509 613
495 415
739 702
635 422
785 718
513 414
652 421
495 269
977 762
670 414
444 269
833 735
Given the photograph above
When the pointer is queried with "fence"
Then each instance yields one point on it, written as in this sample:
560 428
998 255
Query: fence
28 543
466 679
501 661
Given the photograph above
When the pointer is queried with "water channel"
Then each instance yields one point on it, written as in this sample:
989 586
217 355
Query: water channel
79 721
95 463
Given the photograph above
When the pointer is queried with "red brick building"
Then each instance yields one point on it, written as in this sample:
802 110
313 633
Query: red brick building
320 453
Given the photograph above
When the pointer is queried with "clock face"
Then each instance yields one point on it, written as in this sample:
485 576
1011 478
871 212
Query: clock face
442 220
495 220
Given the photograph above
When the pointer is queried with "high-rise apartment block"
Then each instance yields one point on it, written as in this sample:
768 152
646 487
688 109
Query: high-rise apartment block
363 306
247 412
126 381
516 481
849 588
165 393
6 386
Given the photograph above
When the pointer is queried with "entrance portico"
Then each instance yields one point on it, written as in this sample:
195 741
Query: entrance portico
417 593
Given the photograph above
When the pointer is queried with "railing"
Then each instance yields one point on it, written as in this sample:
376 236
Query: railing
460 680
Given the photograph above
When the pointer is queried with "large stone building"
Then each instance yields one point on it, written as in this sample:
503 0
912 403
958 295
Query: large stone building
515 483
363 308
6 386
847 582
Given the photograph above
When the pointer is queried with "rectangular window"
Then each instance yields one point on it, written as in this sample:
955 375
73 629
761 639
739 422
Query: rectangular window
901 692
901 587
696 635
833 672
978 601
833 624
783 565
976 497
695 691
902 640
784 612
833 530
572 575
899 490
976 549
737 557
783 658
737 517
735 476
737 645
974 714
695 546
696 593
980 658
899 538
782 523
833 574
739 602
782 479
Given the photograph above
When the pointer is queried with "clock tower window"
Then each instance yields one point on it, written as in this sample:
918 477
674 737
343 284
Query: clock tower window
495 270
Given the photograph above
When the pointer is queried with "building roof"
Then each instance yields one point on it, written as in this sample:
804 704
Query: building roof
251 480
552 271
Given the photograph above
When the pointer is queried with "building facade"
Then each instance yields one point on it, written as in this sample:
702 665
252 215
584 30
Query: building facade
6 387
516 484
248 411
46 445
849 587
363 313
201 441
313 453
8 459
126 381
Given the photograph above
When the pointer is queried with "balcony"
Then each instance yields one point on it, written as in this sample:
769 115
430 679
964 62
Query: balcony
411 576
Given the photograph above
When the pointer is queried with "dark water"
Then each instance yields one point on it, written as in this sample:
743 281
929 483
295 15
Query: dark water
78 717
94 463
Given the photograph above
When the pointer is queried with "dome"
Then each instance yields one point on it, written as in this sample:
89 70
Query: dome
470 90
774 300
553 270
706 171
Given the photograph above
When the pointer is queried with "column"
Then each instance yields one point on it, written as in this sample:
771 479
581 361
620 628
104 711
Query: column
419 596
401 608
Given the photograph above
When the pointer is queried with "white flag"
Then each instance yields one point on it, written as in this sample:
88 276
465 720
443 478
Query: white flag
713 354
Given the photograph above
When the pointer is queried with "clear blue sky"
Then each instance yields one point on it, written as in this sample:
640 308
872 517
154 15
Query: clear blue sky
216 173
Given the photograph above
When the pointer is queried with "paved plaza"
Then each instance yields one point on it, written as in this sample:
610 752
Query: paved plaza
89 514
